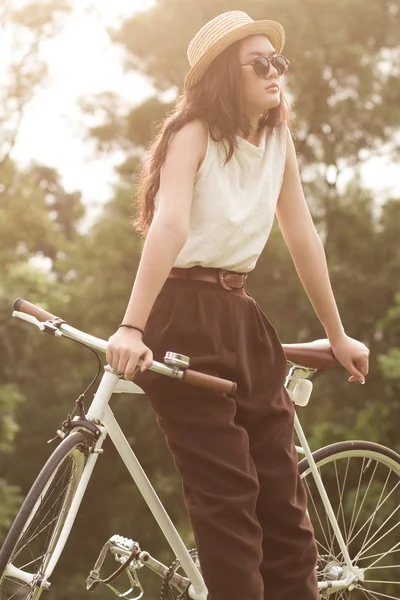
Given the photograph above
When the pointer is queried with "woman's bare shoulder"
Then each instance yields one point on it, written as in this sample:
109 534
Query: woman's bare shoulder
196 129
193 138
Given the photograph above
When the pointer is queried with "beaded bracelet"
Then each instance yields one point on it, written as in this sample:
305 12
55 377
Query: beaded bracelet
131 327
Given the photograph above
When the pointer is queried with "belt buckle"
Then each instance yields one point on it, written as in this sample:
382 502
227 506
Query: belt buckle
224 285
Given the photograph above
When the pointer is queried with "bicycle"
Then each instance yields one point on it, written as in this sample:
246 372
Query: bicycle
352 486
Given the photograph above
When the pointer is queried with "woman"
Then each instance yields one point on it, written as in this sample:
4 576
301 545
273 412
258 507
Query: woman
220 167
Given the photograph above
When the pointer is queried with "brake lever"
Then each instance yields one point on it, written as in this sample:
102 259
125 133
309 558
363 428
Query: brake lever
46 326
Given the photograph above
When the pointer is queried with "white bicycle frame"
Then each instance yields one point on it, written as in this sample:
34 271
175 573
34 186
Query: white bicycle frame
101 414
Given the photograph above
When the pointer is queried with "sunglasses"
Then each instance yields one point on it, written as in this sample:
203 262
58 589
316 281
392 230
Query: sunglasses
262 65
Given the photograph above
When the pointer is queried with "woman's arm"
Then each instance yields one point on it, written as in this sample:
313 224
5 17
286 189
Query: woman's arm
168 232
308 255
165 239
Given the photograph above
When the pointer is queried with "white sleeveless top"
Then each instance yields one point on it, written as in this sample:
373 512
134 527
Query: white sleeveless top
233 205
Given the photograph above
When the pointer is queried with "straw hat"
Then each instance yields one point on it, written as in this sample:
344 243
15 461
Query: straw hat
221 32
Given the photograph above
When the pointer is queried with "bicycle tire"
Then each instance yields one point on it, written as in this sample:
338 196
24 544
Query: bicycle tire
356 464
72 452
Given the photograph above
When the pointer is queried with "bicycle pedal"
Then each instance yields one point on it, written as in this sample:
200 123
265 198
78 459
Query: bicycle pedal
123 542
124 551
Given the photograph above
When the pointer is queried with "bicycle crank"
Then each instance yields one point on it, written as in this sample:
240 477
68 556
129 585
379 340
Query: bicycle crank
169 589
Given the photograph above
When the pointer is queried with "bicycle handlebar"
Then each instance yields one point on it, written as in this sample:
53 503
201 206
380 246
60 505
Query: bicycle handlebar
31 309
196 378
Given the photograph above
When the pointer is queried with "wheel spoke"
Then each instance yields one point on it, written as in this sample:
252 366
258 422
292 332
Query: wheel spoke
310 495
340 501
380 554
379 539
376 510
372 516
363 467
17 592
351 539
375 593
55 501
380 581
392 549
384 566
39 532
27 545
47 492
352 520
370 594
23 567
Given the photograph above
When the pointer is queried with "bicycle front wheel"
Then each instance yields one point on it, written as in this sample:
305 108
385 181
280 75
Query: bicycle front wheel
30 543
362 480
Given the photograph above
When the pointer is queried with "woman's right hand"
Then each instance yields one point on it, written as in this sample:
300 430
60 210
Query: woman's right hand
124 349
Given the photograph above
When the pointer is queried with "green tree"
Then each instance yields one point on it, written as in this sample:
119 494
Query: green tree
35 226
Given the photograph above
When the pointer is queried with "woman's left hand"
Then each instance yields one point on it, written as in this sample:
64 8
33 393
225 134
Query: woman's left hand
353 355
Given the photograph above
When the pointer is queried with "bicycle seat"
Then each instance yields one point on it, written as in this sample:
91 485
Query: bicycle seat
314 355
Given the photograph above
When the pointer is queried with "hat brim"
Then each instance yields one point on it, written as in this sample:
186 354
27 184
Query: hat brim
271 29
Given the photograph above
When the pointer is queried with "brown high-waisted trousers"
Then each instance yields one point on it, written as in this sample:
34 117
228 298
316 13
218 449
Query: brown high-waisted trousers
236 456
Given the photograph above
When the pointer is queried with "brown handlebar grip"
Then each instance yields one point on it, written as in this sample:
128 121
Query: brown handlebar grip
209 382
33 310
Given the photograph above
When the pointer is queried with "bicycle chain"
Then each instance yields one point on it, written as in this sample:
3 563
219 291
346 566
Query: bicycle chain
166 589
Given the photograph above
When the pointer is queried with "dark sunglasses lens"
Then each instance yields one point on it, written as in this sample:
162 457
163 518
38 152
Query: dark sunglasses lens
280 64
261 66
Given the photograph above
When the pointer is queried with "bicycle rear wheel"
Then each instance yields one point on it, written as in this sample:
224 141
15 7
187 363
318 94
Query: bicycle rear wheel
362 480
33 536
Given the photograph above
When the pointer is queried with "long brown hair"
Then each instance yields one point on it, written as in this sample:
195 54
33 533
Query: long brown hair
215 100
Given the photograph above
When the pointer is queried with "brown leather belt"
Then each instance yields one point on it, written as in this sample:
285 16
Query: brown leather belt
226 279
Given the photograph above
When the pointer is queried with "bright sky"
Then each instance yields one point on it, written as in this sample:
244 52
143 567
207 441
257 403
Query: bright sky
82 61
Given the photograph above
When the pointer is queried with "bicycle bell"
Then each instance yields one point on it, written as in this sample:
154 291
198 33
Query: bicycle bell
176 360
